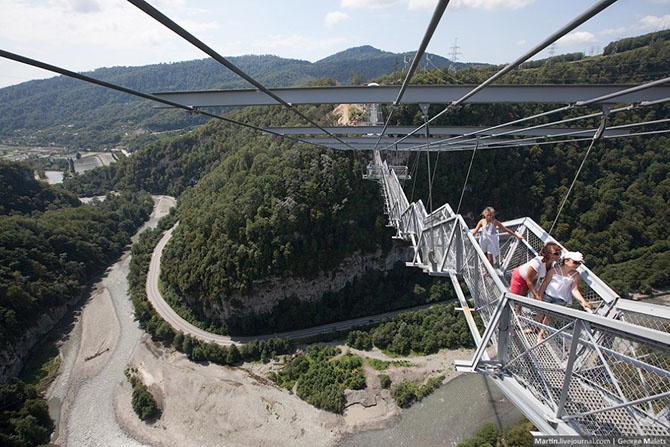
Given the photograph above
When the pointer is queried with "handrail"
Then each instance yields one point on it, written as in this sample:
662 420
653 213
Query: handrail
602 374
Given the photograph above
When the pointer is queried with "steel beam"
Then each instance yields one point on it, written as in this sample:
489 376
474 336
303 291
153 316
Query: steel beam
426 94
473 131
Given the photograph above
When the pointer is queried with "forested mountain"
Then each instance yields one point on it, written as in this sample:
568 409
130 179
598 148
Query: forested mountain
255 207
52 244
21 194
73 113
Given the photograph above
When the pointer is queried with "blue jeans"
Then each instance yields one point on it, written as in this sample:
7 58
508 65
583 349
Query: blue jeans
550 299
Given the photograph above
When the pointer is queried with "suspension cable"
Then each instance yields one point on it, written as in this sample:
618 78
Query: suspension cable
467 176
460 138
595 138
173 26
435 20
425 108
599 7
189 109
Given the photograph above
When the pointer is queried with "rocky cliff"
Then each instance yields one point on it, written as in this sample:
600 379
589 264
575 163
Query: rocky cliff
267 293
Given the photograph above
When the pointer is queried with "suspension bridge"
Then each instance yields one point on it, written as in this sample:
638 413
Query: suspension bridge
600 374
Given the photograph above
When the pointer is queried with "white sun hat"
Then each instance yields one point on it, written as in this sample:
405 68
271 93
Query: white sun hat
574 255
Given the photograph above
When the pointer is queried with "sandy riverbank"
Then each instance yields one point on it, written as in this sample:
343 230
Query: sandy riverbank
202 405
211 405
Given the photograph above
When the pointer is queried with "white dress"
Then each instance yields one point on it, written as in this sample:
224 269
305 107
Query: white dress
488 239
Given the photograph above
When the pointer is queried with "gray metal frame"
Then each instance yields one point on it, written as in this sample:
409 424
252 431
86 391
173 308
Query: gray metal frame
417 94
602 374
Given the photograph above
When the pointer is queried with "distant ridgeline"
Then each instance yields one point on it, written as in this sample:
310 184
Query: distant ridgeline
73 113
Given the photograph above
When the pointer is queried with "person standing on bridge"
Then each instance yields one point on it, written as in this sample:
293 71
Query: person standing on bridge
561 284
527 277
489 237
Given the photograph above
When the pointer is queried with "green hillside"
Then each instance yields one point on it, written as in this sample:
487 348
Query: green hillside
68 112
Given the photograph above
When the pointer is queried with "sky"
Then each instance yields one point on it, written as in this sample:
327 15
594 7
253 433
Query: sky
82 35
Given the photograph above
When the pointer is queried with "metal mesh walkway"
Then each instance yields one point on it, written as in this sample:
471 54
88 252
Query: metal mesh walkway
602 374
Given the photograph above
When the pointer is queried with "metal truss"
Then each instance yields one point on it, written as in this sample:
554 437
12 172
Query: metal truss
601 374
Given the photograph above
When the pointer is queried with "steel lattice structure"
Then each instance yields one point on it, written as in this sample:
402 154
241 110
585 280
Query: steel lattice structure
602 374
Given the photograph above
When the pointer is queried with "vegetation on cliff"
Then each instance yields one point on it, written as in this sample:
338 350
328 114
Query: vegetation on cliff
51 246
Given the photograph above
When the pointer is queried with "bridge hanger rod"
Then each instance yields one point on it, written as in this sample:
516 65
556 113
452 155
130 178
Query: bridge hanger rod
173 26
594 10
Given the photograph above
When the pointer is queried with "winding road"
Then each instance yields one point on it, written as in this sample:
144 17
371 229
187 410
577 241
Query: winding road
179 324
95 353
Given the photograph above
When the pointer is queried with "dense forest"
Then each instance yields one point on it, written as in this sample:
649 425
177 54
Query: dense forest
255 206
51 247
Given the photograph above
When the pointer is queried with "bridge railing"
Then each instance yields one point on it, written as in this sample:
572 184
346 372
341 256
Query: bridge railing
602 374
597 375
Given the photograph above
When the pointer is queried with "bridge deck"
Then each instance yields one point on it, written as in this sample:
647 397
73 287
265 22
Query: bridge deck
605 374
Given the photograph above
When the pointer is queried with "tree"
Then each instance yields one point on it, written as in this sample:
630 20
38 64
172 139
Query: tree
234 355
143 403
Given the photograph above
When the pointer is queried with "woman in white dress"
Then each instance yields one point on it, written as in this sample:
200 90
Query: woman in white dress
562 284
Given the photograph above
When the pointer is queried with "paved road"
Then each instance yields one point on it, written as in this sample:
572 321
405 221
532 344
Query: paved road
179 324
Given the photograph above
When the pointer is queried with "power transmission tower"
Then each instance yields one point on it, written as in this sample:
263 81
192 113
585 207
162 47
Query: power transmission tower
552 50
454 51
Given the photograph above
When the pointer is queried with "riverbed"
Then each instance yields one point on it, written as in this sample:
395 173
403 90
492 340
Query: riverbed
95 395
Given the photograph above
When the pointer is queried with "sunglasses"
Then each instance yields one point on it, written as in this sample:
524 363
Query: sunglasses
557 253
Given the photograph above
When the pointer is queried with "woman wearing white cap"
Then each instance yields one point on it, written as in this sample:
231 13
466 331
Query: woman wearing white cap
561 284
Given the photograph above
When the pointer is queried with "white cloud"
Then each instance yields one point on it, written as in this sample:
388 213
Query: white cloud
75 34
292 43
577 38
422 5
490 4
82 6
646 24
431 4
335 17
653 23
614 31
368 4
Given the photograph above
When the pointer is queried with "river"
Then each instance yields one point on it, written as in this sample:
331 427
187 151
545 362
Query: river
90 418
451 414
